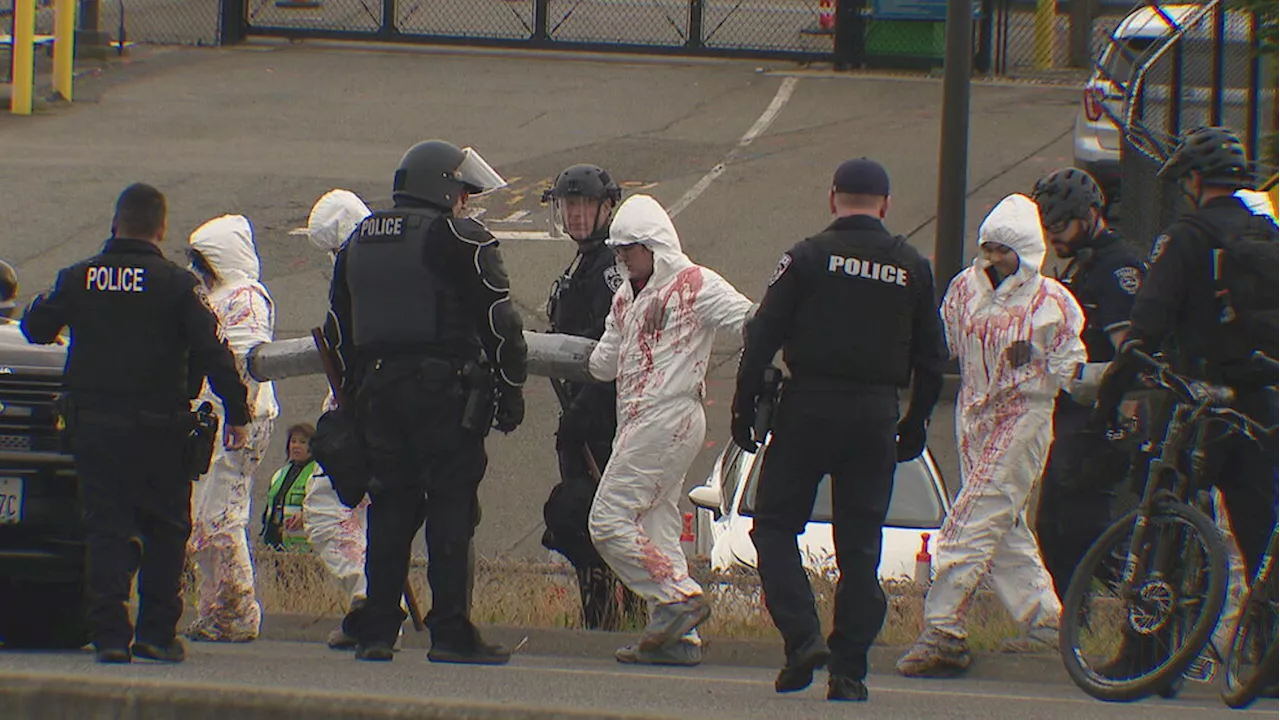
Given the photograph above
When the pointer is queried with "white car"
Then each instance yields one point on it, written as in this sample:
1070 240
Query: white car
919 505
1097 138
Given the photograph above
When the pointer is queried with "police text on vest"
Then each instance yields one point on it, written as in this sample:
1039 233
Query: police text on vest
116 279
375 226
855 267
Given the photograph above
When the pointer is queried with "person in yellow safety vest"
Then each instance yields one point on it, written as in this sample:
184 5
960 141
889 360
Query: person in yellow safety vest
282 519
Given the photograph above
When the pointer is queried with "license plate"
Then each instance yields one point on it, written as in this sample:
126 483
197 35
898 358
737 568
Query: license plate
11 490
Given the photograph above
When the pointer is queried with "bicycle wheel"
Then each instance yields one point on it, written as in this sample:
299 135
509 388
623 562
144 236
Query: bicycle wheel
1250 661
1122 643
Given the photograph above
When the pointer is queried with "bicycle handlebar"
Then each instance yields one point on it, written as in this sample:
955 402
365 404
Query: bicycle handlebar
1261 358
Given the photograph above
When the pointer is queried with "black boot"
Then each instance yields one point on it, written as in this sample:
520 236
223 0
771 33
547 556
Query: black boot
173 652
798 674
840 687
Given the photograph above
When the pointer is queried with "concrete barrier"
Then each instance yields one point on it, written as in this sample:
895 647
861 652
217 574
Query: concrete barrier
50 696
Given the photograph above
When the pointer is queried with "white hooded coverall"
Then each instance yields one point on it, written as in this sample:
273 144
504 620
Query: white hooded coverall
1004 425
227 608
656 344
335 531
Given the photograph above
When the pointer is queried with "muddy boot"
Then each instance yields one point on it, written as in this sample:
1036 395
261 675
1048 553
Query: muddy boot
935 654
681 653
672 621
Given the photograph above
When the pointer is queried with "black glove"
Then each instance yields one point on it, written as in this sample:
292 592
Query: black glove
510 409
912 434
743 422
1019 353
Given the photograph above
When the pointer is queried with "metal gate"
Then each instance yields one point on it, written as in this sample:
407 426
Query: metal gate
785 29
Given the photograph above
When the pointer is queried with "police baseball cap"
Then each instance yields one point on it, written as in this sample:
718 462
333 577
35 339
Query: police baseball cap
861 176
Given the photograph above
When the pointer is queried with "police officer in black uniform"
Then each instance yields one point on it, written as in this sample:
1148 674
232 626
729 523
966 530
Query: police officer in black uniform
1181 309
1104 275
8 290
854 311
418 292
142 342
582 201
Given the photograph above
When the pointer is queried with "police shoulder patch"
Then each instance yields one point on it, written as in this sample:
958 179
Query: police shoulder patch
783 264
1157 248
613 277
1129 278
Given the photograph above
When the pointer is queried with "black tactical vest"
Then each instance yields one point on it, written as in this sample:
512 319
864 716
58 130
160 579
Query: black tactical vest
396 300
855 323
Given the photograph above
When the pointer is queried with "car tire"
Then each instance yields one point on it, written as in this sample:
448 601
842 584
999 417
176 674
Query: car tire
44 616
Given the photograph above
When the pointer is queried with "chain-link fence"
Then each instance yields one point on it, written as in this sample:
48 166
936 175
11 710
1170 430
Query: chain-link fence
1204 65
164 22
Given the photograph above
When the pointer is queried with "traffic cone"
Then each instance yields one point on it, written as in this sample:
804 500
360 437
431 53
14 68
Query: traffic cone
924 563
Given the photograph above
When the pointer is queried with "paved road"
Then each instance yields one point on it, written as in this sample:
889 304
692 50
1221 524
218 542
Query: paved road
705 692
265 129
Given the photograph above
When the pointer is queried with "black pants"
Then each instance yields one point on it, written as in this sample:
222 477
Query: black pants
1246 475
1078 492
565 513
851 436
137 515
428 469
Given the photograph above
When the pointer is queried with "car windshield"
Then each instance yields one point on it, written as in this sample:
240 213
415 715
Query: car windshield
1117 64
915 502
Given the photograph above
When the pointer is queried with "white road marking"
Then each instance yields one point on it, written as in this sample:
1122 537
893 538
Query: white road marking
515 217
762 123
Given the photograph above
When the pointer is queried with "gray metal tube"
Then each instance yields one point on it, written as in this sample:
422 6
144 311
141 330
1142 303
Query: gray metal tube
559 356
953 160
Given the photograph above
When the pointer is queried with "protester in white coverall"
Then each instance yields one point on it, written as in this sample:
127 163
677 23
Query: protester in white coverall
657 342
223 255
1017 337
335 531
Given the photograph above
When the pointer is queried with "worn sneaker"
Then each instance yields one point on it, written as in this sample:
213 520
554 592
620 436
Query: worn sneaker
339 640
935 654
840 687
206 631
798 673
672 621
174 652
680 653
480 654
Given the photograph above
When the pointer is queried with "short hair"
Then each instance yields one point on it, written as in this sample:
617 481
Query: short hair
858 200
306 430
140 212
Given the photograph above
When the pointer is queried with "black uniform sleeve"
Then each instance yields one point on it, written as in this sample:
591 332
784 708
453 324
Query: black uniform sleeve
1159 303
928 346
487 294
211 354
768 330
1116 293
49 312
337 326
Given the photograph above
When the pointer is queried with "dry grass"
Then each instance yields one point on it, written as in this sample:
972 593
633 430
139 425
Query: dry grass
531 594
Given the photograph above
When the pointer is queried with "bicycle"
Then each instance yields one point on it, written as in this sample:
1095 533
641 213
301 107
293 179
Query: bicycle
1149 592
1249 662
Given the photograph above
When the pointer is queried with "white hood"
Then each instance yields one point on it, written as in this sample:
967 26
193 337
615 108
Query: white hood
334 217
227 243
1015 223
641 220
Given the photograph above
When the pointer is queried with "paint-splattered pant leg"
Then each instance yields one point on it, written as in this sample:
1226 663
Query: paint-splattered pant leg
339 540
227 607
635 518
986 530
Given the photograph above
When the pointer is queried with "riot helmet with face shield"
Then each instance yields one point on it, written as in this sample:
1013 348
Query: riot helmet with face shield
439 173
582 202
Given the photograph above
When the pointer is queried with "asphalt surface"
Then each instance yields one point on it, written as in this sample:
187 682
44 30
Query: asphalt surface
265 129
704 692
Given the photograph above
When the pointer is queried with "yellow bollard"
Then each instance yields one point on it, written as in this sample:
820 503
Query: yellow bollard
64 46
1044 32
24 57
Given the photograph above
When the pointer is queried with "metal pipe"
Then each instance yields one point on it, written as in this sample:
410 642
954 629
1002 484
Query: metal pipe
1219 61
953 155
552 355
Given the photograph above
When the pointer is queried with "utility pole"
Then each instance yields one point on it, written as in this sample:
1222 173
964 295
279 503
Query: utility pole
953 153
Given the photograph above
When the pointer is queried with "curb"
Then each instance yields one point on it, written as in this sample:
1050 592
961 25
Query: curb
596 644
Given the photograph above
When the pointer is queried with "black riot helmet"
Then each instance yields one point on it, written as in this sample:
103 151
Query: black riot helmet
585 180
1066 195
1214 152
8 289
438 172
